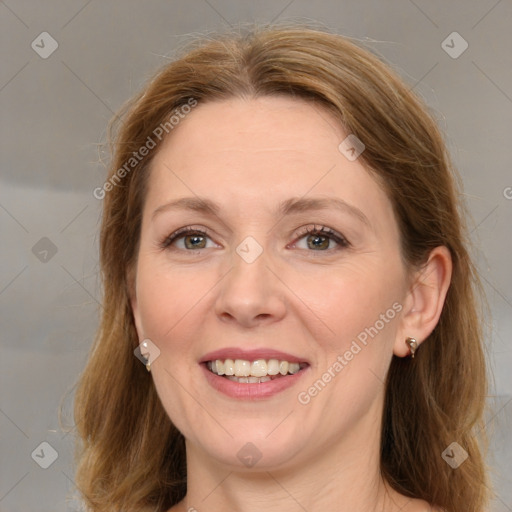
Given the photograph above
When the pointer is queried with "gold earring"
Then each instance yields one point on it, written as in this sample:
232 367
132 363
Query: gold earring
148 365
412 344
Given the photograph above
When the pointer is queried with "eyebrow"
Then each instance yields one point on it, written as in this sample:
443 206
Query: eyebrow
287 207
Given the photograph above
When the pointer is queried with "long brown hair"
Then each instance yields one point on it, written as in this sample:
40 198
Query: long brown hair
130 456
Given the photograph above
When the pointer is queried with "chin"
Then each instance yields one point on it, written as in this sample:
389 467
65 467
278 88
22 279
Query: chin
256 456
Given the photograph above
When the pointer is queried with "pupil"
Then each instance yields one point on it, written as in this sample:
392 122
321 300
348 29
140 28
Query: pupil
194 239
323 244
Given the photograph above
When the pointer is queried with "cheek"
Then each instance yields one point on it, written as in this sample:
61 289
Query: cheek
170 305
361 309
166 297
350 303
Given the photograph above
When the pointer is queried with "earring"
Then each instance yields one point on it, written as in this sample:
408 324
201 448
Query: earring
146 354
412 344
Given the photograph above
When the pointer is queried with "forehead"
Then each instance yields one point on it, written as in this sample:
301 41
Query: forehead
271 123
243 152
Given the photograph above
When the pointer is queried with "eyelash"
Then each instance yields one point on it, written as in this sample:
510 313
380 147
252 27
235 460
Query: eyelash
314 230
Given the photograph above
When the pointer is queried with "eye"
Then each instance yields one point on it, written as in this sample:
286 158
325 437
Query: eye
320 238
192 239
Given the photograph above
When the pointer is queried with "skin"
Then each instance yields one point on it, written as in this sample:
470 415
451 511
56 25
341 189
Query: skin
249 155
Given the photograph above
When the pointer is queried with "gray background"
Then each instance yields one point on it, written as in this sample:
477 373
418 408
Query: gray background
55 110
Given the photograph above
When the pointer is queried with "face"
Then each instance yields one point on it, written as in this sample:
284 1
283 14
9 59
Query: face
265 248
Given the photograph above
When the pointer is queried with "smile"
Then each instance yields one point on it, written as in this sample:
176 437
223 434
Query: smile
253 372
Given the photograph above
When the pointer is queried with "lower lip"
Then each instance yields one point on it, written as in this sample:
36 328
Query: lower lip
255 391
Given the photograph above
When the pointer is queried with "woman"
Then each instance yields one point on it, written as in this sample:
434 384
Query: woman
282 248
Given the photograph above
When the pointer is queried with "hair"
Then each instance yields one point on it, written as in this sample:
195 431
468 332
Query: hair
129 454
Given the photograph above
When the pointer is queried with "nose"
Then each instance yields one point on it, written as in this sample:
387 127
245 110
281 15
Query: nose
250 294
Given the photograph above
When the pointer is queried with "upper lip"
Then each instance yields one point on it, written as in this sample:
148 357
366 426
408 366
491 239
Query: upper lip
250 355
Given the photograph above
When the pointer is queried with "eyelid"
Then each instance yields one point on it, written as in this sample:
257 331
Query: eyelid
321 230
298 234
185 230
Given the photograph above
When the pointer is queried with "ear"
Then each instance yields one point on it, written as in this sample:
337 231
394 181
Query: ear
424 300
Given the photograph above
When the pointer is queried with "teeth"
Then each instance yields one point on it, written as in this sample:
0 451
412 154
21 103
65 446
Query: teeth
242 368
293 368
249 380
229 367
260 370
220 367
273 367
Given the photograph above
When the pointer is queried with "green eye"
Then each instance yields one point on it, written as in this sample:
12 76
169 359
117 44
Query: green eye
319 239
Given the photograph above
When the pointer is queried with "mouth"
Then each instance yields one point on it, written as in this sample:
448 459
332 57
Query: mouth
254 374
244 371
